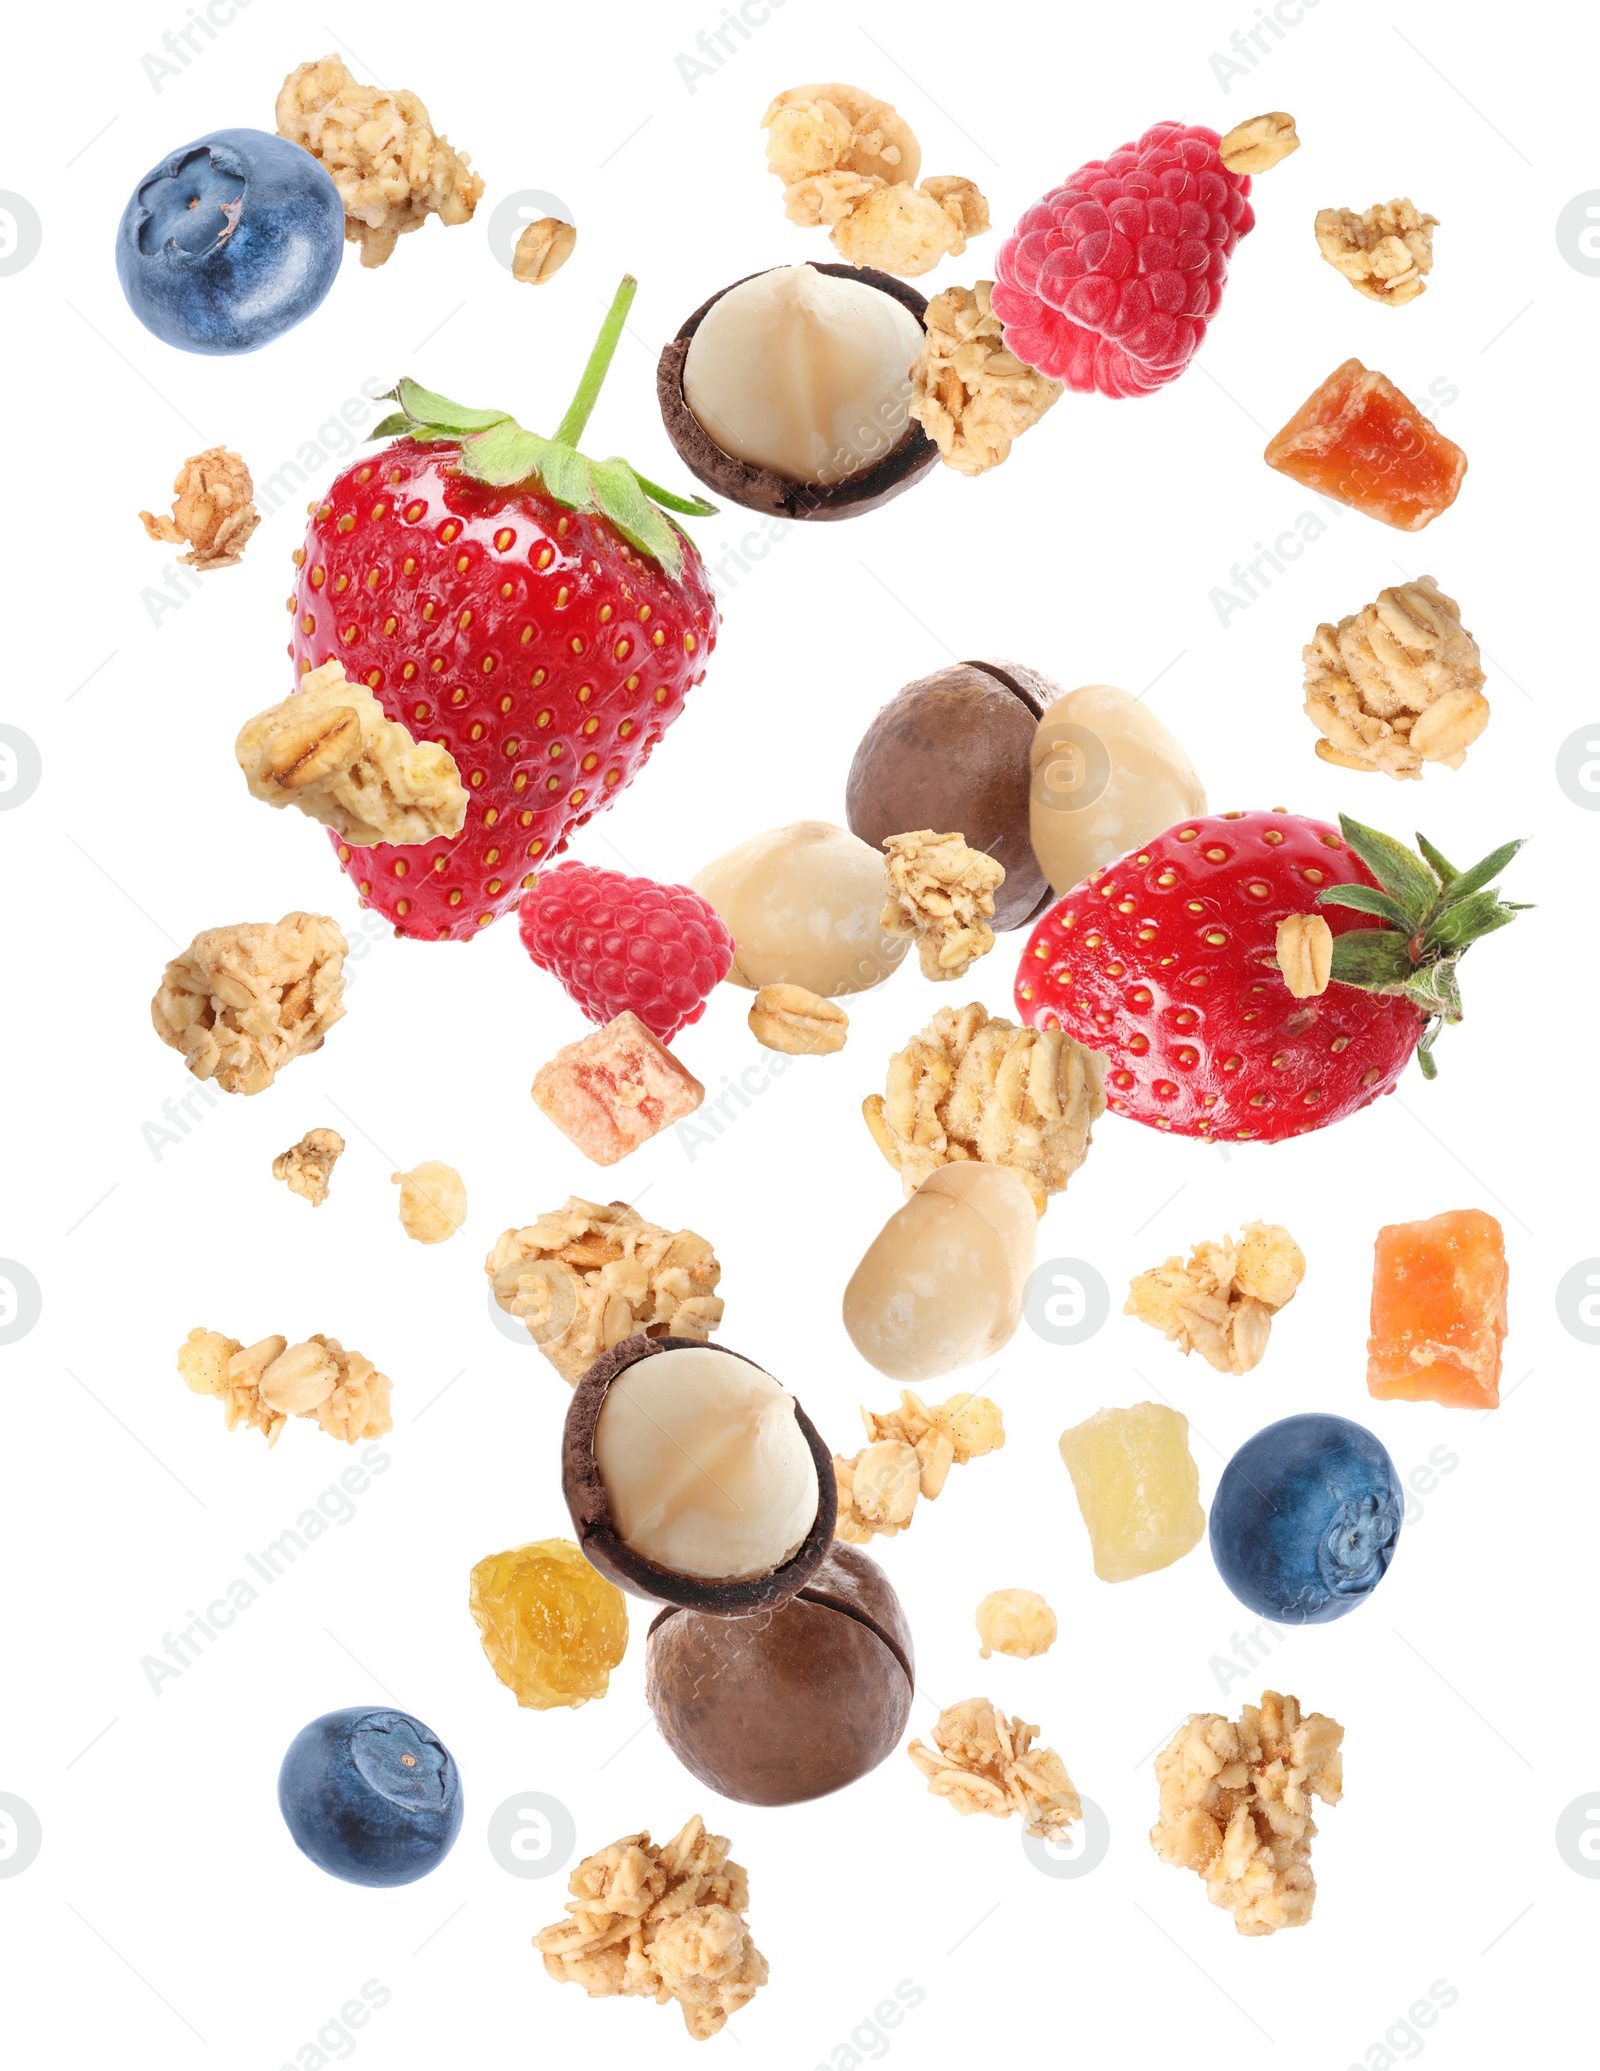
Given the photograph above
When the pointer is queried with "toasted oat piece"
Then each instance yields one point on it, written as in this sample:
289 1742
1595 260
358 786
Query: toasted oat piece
981 1761
1397 685
909 1453
970 395
942 894
212 512
543 249
1259 144
972 1087
798 1022
1221 1304
1383 253
241 1002
307 1166
1236 1807
264 1384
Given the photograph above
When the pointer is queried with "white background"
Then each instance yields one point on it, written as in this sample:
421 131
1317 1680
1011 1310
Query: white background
168 1919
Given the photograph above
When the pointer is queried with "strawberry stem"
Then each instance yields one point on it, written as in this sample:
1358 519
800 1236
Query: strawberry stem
570 429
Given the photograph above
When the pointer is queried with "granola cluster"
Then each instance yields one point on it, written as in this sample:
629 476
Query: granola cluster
1397 684
1383 253
968 392
1017 1622
586 1276
242 1002
969 1087
849 163
265 1384
307 1166
1236 1807
660 1923
909 1453
331 750
981 1761
381 151
433 1201
941 893
1221 1304
212 511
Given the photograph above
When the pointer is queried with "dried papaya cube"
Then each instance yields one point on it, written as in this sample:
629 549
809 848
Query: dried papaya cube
1439 1311
1360 441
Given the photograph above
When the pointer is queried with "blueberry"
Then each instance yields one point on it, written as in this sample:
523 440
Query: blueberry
1305 1519
371 1796
230 241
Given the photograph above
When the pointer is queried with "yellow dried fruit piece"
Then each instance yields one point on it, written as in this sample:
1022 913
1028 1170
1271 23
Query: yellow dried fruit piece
552 1627
1137 1487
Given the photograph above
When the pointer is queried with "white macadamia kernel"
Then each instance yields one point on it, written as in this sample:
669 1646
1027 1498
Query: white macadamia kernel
1107 775
804 905
943 1283
706 1469
804 373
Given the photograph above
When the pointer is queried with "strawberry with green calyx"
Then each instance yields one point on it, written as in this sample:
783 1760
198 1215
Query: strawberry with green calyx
1166 962
1432 914
535 612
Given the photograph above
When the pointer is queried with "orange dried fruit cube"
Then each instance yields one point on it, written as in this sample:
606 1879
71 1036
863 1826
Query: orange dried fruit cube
1360 441
1439 1311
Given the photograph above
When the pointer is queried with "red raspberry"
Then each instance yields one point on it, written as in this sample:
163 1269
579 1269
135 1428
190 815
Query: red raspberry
624 944
1109 282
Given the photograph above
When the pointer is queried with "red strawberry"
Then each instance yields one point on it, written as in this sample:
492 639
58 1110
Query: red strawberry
1165 961
625 944
528 609
1109 281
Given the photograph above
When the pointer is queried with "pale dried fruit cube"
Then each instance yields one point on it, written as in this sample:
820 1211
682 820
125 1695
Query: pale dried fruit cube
1137 1486
307 1166
615 1090
1017 1622
433 1201
241 1002
332 751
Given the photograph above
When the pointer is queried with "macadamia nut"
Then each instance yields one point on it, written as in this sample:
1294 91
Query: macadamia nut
1107 775
706 1470
804 373
804 905
942 1284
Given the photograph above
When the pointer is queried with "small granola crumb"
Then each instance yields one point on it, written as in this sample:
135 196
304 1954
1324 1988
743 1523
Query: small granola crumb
333 751
848 163
972 1087
543 249
212 511
981 1761
433 1201
586 1276
381 151
262 1385
1236 1807
1383 253
307 1166
1258 145
1017 1622
241 1002
970 395
1304 947
909 1453
797 1022
1221 1304
1397 685
942 893
660 1923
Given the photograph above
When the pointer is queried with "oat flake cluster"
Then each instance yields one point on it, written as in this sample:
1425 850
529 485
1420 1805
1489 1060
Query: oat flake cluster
1383 253
660 1923
941 893
981 1761
1398 684
212 512
1221 1304
848 162
264 1384
381 151
241 1002
307 1166
909 1453
970 394
1236 1807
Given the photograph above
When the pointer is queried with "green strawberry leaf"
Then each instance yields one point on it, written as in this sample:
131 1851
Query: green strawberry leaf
624 502
1395 867
1469 921
1434 988
1376 959
397 425
438 411
1443 870
566 474
1425 1058
1482 873
1364 898
690 506
503 454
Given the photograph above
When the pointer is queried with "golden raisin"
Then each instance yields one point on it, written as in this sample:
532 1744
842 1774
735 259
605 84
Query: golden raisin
552 1627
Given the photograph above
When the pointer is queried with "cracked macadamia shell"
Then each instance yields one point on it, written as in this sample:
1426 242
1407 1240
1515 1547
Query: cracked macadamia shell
692 1478
943 1282
1107 775
792 1703
950 752
804 905
789 391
